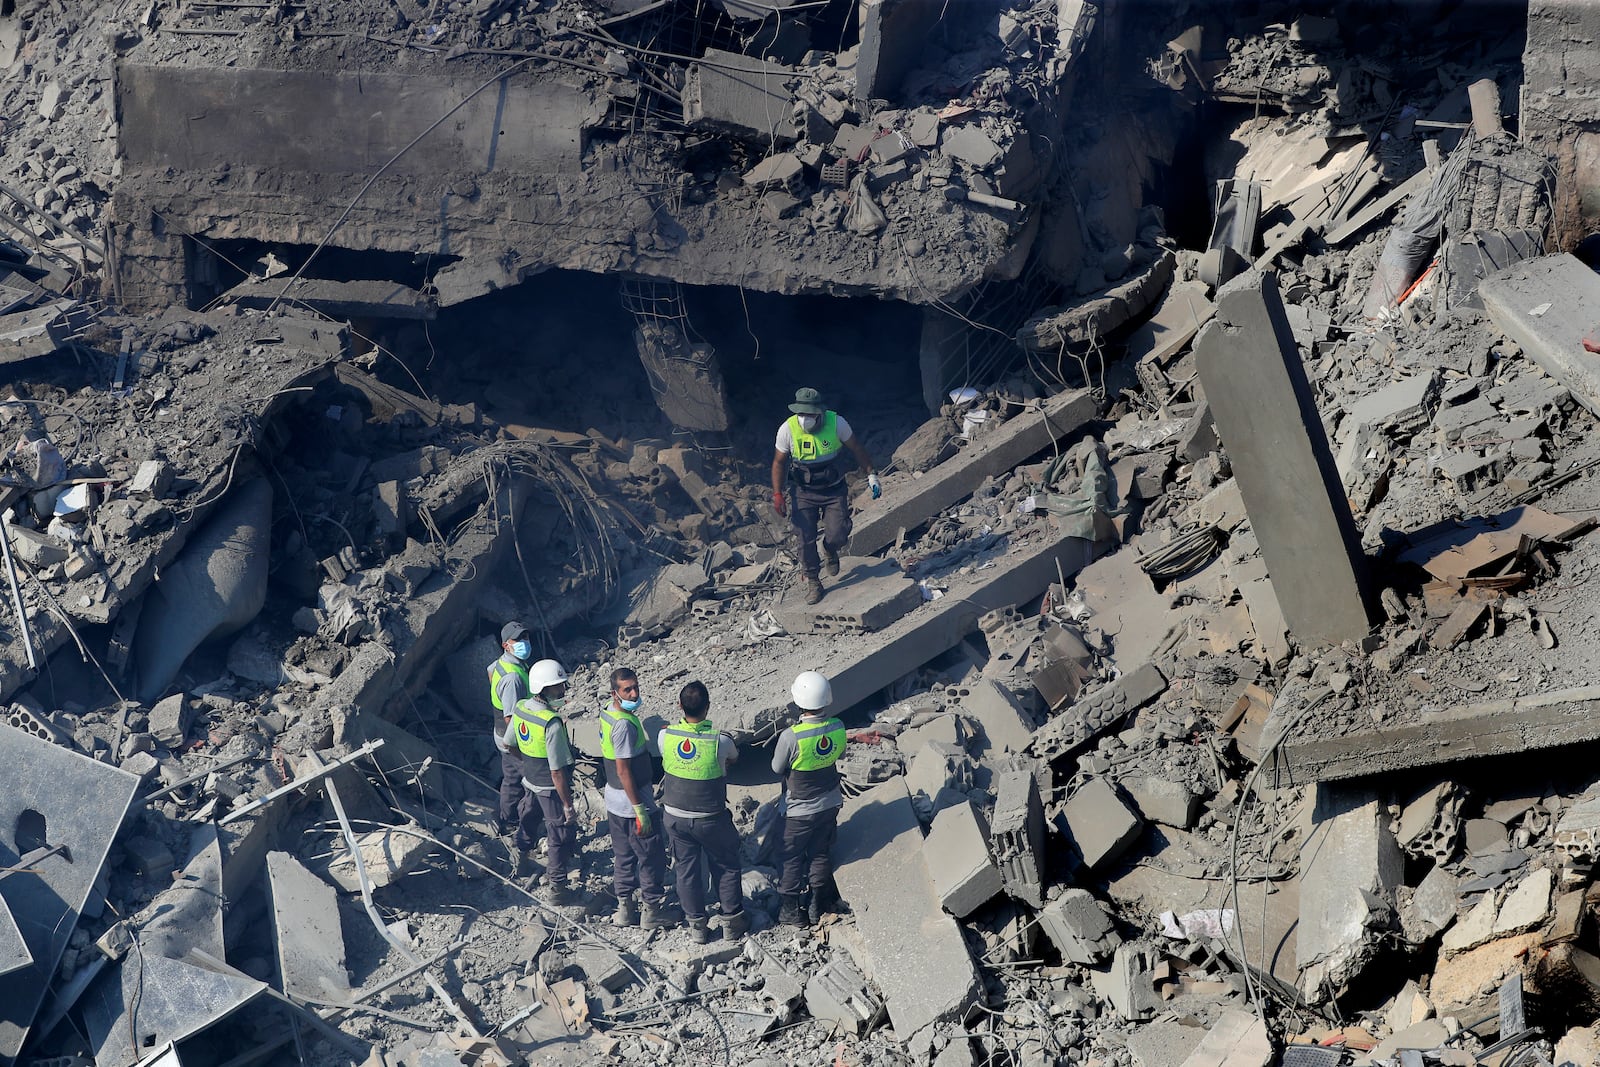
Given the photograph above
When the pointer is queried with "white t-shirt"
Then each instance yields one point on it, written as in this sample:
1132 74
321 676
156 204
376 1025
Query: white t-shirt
785 441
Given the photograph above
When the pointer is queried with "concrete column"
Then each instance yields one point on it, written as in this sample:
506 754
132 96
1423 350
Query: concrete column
1266 415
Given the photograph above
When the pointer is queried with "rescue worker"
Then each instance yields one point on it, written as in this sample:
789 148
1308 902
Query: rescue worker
637 837
547 761
805 756
694 793
810 459
508 684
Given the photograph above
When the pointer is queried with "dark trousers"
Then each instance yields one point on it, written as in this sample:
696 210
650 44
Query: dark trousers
808 852
640 862
699 846
511 786
559 834
827 509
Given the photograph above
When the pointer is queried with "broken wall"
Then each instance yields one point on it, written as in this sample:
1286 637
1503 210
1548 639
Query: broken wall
1560 112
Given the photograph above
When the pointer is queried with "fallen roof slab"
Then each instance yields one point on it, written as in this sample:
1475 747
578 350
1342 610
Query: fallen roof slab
1496 728
909 502
1549 306
71 801
916 952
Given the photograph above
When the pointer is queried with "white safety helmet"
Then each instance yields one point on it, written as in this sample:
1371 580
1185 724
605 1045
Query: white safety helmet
811 691
545 673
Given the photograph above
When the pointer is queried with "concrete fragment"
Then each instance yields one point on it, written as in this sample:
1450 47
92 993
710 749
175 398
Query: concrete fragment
1266 415
1432 906
310 939
742 96
840 994
148 857
388 854
603 967
1079 927
957 855
1527 906
1128 984
1096 713
152 479
1162 801
1239 1039
917 953
970 145
1163 1044
35 549
1565 293
1350 866
1018 835
1399 408
170 720
1099 823
1007 727
1428 1034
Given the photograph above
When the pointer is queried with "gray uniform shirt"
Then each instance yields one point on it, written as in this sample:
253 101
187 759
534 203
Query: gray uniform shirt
783 755
626 742
727 752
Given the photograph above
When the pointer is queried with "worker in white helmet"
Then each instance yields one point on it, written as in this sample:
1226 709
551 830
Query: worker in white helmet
806 755
541 736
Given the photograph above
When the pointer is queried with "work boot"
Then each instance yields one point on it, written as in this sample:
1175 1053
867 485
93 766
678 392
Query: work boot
523 865
659 916
736 925
698 933
813 589
504 827
626 914
817 908
830 562
791 913
562 895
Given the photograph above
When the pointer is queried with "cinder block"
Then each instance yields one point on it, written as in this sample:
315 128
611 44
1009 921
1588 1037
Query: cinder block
1018 836
1159 800
170 720
957 852
840 994
1100 823
1079 927
1096 713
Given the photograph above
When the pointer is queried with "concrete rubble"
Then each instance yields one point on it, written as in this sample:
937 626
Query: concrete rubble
1204 660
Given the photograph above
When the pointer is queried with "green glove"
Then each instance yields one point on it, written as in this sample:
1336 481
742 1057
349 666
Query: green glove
642 825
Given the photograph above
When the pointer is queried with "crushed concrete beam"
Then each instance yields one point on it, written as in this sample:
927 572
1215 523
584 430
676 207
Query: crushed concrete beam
1549 306
859 669
916 952
908 503
1495 728
1350 867
53 797
957 854
1266 414
336 299
305 923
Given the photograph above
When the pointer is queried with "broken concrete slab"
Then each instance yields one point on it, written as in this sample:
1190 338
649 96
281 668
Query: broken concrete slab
1005 723
1350 867
1099 823
840 994
918 955
170 720
150 1000
1549 306
1183 311
1527 906
1238 1039
310 939
1266 414
53 797
909 502
388 855
1474 929
1079 927
957 854
1128 984
1096 713
867 595
1499 727
1162 801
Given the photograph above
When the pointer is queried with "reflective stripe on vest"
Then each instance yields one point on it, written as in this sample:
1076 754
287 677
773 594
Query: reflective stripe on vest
501 667
813 456
694 780
638 763
811 769
530 723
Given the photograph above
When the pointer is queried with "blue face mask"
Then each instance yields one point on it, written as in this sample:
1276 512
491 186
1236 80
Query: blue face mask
522 649
628 705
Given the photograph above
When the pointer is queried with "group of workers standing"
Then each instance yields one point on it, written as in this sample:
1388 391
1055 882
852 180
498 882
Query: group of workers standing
690 819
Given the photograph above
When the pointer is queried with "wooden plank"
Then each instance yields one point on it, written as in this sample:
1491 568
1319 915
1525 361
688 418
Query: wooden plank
1361 219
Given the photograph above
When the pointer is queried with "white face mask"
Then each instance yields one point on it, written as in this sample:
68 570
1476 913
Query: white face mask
808 423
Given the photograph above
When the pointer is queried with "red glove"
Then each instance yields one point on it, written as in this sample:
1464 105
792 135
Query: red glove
777 504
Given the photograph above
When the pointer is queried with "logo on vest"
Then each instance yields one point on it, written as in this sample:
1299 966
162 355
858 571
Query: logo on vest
523 730
686 749
824 745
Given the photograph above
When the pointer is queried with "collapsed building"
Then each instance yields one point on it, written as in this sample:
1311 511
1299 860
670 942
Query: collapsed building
1203 658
